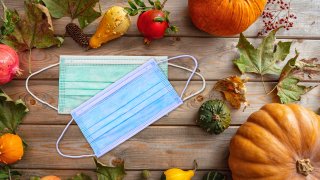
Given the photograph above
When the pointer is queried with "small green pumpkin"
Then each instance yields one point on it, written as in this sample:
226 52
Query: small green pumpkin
213 175
214 116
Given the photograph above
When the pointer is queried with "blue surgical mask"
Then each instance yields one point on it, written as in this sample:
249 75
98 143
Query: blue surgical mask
127 106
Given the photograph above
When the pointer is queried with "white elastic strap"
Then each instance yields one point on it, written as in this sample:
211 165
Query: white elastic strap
46 103
200 75
69 156
193 72
34 96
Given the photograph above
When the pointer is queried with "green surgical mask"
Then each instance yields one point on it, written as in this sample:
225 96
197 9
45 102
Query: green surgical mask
82 77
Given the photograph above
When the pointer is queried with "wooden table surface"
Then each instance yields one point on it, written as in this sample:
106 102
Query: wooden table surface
173 141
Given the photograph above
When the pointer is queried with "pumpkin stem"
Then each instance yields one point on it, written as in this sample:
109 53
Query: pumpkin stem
304 167
215 117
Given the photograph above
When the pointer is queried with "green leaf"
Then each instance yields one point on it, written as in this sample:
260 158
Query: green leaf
34 29
132 5
261 60
159 19
282 50
288 88
6 173
83 10
140 3
151 2
11 113
157 5
110 173
128 10
80 176
57 8
9 20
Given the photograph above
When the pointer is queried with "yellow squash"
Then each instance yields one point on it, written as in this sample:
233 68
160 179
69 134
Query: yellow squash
114 24
178 174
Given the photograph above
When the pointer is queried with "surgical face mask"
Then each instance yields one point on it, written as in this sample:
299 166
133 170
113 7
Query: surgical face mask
82 77
127 106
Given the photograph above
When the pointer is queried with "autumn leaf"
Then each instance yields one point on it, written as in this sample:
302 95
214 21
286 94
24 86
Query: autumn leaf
110 173
31 30
262 60
288 88
83 10
234 90
11 113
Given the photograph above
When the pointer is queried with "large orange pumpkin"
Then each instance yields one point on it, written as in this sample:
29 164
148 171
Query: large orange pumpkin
278 142
225 17
11 148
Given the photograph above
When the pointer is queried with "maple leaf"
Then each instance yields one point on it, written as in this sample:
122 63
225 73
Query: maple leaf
32 30
83 10
261 60
110 173
11 113
234 90
288 88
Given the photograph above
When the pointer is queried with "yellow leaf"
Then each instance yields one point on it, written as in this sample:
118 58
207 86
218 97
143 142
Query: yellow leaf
234 90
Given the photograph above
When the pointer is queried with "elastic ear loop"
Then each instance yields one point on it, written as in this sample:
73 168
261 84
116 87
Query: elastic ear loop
193 72
46 103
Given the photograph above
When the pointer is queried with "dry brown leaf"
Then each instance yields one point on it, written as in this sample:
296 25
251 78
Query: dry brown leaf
234 90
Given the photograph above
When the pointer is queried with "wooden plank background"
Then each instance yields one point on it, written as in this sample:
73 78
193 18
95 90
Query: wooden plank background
175 140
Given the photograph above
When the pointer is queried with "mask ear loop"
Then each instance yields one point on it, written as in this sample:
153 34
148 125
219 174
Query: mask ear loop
33 95
69 156
193 72
55 108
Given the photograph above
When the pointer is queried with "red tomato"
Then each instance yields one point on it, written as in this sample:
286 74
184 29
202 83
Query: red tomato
150 28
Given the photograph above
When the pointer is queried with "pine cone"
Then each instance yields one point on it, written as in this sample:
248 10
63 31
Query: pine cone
77 35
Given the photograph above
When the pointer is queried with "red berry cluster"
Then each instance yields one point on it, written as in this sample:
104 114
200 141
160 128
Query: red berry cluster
277 14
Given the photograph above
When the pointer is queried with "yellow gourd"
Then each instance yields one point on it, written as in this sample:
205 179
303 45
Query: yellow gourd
178 174
114 24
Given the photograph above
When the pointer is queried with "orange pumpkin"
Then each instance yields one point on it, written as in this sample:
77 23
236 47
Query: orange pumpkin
225 17
11 148
278 142
50 178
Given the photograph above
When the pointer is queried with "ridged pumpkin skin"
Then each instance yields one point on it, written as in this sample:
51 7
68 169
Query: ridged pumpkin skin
225 17
271 143
11 148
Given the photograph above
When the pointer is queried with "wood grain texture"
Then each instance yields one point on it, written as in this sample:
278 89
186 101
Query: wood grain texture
307 25
131 175
215 55
186 114
154 148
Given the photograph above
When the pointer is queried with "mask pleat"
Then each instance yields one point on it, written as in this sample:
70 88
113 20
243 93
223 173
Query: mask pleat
113 103
138 121
83 77
126 107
